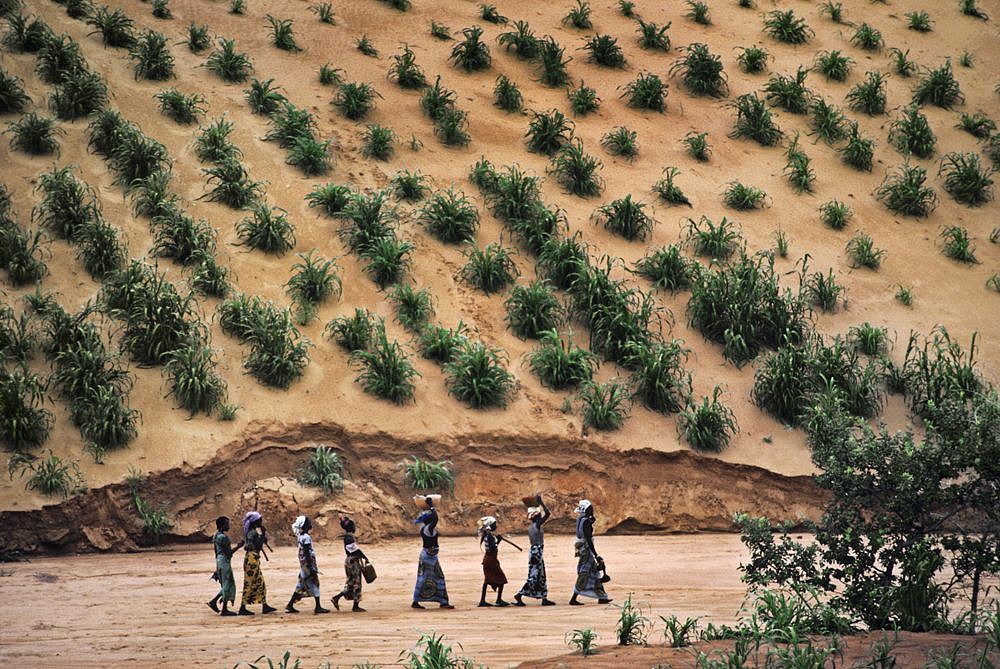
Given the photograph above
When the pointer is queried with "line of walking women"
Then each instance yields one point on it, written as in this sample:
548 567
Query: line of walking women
430 586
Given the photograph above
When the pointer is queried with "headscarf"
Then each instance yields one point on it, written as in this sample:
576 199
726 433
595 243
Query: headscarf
487 523
534 511
347 524
298 525
583 506
424 517
248 520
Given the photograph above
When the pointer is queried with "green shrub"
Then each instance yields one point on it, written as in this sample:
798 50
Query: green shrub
198 38
24 423
957 245
785 27
621 142
646 91
742 197
653 36
604 51
376 142
559 363
579 16
330 75
267 229
507 96
919 21
522 41
228 64
668 191
901 62
387 260
701 71
451 216
79 93
978 125
471 54
576 170
822 290
26 35
427 475
859 152
153 60
533 309
477 375
869 95
490 269
179 237
264 98
414 308
698 12
718 242
553 63
828 123
940 88
409 186
355 100
194 382
798 169
49 475
185 109
659 379
868 339
753 59
313 280
282 34
904 192
626 218
667 268
405 71
548 132
867 37
440 343
278 354
708 426
231 185
605 405
324 469
583 100
13 99
561 260
212 143
352 333
789 93
834 65
34 134
697 145
754 121
965 179
862 252
59 57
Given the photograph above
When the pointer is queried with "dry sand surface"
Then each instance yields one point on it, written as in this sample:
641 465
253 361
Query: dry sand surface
946 292
147 609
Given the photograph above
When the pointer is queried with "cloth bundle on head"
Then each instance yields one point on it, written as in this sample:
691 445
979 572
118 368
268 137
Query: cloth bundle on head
582 507
248 520
534 511
487 522
298 525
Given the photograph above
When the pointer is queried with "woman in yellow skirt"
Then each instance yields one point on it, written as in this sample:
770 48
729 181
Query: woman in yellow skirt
254 588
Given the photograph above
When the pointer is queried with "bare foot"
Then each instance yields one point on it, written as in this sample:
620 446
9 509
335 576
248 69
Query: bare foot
212 605
226 612
447 606
483 604
336 601
416 605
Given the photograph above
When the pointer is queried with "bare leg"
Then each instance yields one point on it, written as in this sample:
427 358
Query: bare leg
500 601
574 601
482 598
320 609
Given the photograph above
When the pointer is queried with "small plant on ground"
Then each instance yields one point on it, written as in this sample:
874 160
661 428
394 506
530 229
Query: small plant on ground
862 252
522 41
324 12
678 633
427 475
901 62
471 54
194 383
978 125
605 405
268 230
834 65
533 309
789 93
633 627
583 100
798 169
701 71
867 37
264 98
477 375
282 34
354 100
440 31
647 91
868 339
965 179
667 268
919 21
904 192
366 46
957 245
697 145
227 63
13 99
859 152
717 241
440 344
668 191
940 88
698 12
330 75
198 38
786 27
405 71
406 185
324 469
582 640
742 197
604 51
869 95
376 142
753 59
489 13
755 121
559 363
185 109
384 368
576 170
490 269
34 134
828 123
49 475
450 216
332 198
822 290
352 333
904 295
212 143
553 61
653 36
621 142
548 132
414 307
507 96
971 8
313 281
708 426
231 185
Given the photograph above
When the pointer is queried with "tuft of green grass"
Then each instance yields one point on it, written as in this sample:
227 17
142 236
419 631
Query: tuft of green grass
451 216
521 40
626 218
583 100
161 9
472 53
548 132
868 339
798 168
579 16
440 343
116 28
971 8
862 252
324 469
182 108
904 192
332 198
490 14
576 170
13 98
605 405
940 88
978 125
754 121
956 244
553 61
366 46
490 269
835 214
267 229
264 98
753 59
49 475
912 134
904 295
604 51
653 37
716 241
834 65
324 12
352 333
834 10
659 379
387 259
330 75
785 26
867 37
477 375
667 268
627 8
313 281
583 640
701 71
708 426
427 475
789 93
697 145
282 34
384 368
228 64
405 71
231 185
26 34
920 21
647 91
559 363
35 135
621 141
376 142
668 191
965 179
355 100
212 143
869 96
507 96
533 309
901 62
409 186
859 151
822 290
741 197
440 31
414 308
828 123
194 383
198 38
698 12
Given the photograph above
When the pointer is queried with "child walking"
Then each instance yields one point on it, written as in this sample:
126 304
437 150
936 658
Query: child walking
223 568
493 576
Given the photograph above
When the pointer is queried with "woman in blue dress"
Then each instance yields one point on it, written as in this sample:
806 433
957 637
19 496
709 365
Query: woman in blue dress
430 586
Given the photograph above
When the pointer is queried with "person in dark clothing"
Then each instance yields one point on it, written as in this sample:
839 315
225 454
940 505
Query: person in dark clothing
590 574
493 576
430 586
536 586
308 583
353 563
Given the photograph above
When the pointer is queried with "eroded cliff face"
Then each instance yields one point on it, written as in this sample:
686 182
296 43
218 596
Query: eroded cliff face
635 491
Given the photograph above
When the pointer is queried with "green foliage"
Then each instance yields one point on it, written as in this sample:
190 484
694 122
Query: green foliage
605 405
185 109
405 71
324 469
355 100
440 344
940 88
862 252
858 152
440 31
477 375
490 269
366 46
904 192
194 383
667 268
58 57
414 308
583 640
971 8
583 100
978 125
957 245
919 21
427 475
653 36
867 37
697 145
548 132
901 62
451 216
869 95
324 12
828 122
490 13
753 59
627 8
965 179
387 259
834 10
834 65
507 96
786 27
26 35
621 142
604 51
198 38
821 290
798 169
179 237
24 422
406 185
161 9
533 310
522 41
313 281
34 134
50 475
742 197
264 98
633 627
576 170
714 241
789 93
79 93
668 191
868 339
743 307
646 91
376 142
471 54
231 185
553 63
282 34
228 64
626 218
754 121
561 260
698 12
153 60
352 333
701 71
659 379
708 426
579 16
904 295
212 143
559 363
267 229
13 99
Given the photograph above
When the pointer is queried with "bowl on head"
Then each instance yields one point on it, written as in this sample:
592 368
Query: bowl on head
421 500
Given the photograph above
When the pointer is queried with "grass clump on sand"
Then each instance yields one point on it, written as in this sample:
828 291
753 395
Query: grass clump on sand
264 98
427 475
621 142
965 179
35 135
282 34
522 41
490 269
583 100
451 216
49 475
606 406
653 37
548 132
956 244
754 121
940 88
477 375
324 469
409 186
753 59
912 134
405 71
741 197
312 282
701 71
533 309
579 16
604 51
859 151
647 91
862 252
904 192
576 170
867 37
267 229
471 54
384 368
553 61
869 95
228 64
507 96
440 344
833 65
352 333
13 98
626 218
789 93
659 379
668 191
414 308
231 185
786 27
184 109
667 268
354 100
708 426
559 363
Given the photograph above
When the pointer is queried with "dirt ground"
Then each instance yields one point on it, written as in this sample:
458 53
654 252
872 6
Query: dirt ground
147 609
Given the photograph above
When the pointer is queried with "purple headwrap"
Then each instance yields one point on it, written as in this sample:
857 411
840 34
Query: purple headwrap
248 520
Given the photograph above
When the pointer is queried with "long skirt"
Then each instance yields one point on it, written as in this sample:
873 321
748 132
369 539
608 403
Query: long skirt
537 586
588 573
308 584
493 575
224 575
254 589
352 587
430 585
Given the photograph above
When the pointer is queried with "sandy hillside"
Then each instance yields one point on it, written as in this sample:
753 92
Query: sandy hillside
946 293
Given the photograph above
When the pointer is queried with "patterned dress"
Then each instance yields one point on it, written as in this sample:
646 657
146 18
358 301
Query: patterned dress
537 585
254 588
430 586
308 584
493 575
352 568
224 568
588 570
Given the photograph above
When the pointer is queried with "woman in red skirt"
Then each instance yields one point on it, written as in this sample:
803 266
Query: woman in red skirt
493 576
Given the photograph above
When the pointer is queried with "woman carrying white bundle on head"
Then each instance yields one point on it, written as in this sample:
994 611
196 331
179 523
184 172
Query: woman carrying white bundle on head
537 585
308 583
590 571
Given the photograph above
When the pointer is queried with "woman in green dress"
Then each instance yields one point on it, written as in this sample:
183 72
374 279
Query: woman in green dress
224 568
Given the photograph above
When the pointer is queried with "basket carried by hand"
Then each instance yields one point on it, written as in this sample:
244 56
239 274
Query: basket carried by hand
368 572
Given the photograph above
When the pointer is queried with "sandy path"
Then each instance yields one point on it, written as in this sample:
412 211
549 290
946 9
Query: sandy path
145 610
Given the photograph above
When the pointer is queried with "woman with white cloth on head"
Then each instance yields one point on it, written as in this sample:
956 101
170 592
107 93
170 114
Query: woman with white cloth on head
308 584
590 573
